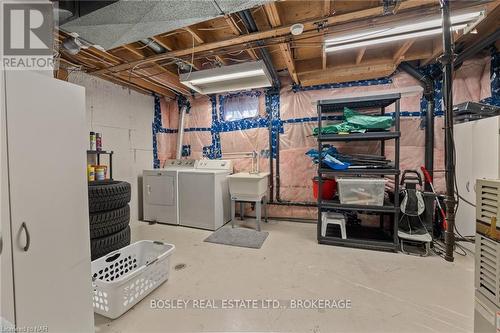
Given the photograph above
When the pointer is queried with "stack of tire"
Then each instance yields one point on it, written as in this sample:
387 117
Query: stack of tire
109 217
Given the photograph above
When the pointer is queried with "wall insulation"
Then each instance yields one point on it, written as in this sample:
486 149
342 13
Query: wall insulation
292 113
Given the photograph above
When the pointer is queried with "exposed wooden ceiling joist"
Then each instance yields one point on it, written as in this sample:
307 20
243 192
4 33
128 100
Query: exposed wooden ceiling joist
327 8
360 54
275 21
349 73
290 63
310 25
225 40
200 40
399 55
158 74
237 31
490 23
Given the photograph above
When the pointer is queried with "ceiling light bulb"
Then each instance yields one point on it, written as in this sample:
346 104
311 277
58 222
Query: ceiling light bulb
297 29
72 45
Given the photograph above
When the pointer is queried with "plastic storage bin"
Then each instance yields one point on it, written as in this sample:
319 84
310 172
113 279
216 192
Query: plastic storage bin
124 277
361 191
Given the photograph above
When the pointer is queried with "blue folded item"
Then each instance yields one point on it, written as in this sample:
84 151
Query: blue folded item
329 158
313 153
334 163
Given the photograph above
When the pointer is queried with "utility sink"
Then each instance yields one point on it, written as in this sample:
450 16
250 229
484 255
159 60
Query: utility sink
246 185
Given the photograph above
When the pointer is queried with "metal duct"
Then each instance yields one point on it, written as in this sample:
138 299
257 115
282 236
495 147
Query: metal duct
425 81
157 48
428 84
249 22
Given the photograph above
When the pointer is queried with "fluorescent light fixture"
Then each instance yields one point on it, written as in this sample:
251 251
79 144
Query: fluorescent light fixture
421 28
230 76
388 39
244 76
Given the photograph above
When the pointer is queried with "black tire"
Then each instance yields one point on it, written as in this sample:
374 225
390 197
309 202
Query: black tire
108 196
101 246
109 222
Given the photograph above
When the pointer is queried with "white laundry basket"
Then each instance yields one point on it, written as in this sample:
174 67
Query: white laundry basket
124 277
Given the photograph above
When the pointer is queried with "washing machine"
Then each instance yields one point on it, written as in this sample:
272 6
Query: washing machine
160 191
204 200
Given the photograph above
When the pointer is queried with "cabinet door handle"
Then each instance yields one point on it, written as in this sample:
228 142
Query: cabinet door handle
467 186
1 244
28 238
148 187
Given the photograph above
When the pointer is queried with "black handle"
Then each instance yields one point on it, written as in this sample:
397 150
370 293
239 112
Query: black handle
405 176
28 238
113 257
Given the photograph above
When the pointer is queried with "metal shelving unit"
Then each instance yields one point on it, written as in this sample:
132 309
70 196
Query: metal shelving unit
373 238
98 154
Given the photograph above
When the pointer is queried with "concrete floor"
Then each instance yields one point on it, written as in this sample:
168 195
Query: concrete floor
389 292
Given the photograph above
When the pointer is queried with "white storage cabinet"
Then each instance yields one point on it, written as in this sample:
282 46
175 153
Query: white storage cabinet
477 145
45 260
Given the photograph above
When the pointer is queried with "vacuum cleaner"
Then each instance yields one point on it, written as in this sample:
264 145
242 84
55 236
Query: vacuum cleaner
411 228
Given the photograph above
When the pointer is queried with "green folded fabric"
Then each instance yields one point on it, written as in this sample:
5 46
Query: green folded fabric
355 122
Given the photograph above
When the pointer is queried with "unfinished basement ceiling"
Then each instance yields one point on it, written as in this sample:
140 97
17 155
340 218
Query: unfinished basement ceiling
227 40
127 21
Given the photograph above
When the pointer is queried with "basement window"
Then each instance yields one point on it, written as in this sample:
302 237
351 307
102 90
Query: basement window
240 106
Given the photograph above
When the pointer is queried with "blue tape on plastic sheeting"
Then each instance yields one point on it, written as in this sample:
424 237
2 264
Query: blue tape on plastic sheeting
433 70
244 124
156 128
215 149
494 79
272 101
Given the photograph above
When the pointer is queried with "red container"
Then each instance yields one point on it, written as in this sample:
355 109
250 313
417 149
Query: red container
328 189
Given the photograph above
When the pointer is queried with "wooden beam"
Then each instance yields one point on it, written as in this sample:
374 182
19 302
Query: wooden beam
196 36
327 8
347 73
232 25
275 21
396 7
491 19
96 55
324 58
436 51
400 52
200 40
61 74
166 78
237 32
162 43
309 25
290 63
272 14
360 54
145 84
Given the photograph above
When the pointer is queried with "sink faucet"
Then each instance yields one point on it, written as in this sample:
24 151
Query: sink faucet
255 159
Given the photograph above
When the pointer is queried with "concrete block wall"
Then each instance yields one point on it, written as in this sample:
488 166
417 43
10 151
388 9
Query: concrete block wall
124 118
